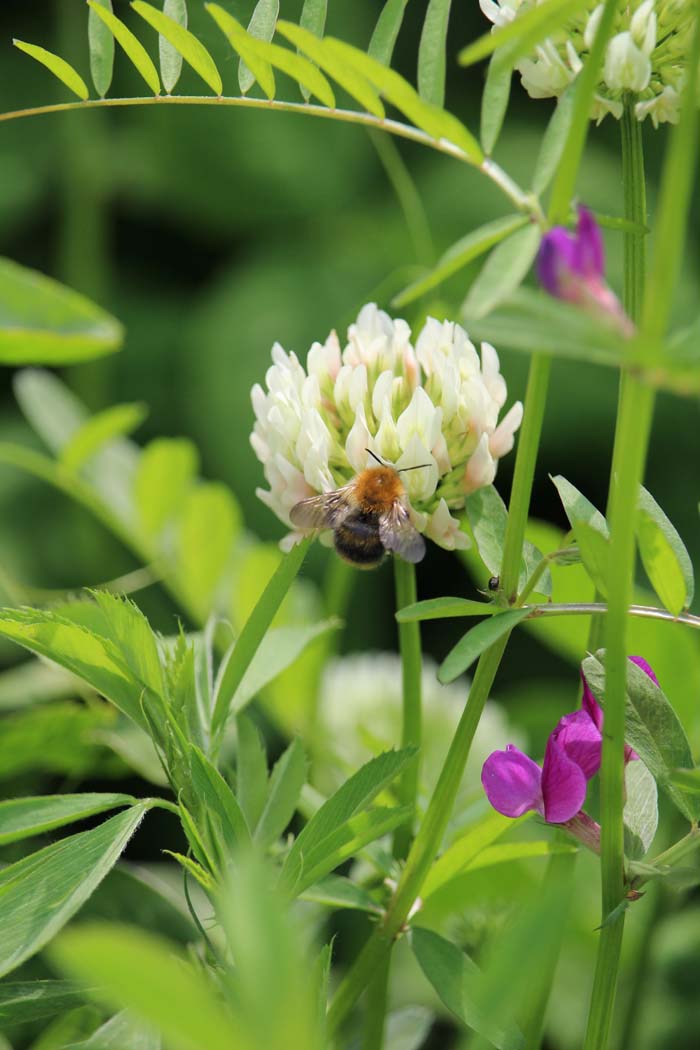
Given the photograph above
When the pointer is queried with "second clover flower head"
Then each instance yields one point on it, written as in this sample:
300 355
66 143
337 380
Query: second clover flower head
435 401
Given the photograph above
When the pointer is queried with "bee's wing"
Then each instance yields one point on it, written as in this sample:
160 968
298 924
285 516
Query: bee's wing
399 536
322 512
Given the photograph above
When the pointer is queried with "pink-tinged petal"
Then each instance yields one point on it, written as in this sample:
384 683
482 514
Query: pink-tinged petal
591 705
512 782
579 737
641 662
590 254
563 784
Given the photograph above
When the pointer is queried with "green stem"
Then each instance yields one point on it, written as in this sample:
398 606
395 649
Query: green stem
411 673
407 195
629 456
375 1016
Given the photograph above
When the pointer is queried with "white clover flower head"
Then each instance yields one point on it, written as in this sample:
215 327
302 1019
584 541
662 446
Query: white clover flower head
437 404
645 55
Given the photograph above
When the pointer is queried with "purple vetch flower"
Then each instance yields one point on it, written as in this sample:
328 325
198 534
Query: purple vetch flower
514 784
595 711
572 267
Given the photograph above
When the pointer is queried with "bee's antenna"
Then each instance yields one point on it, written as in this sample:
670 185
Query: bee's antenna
418 466
374 456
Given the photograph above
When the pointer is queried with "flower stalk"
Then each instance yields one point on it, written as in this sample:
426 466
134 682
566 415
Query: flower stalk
411 674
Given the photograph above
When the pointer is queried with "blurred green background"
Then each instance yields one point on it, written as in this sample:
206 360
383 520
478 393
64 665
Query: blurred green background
211 234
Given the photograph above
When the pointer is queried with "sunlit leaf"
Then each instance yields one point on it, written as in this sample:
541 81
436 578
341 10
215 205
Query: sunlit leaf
431 52
594 549
578 508
115 421
119 1032
209 521
488 519
101 44
22 818
466 848
444 608
505 268
58 66
166 469
296 66
240 42
251 769
132 47
470 647
664 556
215 796
170 58
184 42
262 27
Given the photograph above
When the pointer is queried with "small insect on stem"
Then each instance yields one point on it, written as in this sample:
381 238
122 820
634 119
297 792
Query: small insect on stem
369 517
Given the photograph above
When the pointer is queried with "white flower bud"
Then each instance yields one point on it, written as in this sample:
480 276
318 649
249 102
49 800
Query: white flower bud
643 27
626 67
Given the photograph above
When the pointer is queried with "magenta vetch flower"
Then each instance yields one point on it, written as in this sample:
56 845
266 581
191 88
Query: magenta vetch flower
572 267
591 705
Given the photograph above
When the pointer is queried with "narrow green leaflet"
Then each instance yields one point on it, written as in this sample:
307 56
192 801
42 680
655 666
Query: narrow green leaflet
356 85
488 519
313 21
454 976
641 812
57 65
594 549
286 781
240 42
251 769
459 255
123 623
101 43
467 848
553 142
523 33
133 47
262 27
578 508
41 892
443 609
184 42
147 975
494 103
170 57
652 729
479 638
335 891
43 322
119 1032
21 818
216 797
431 52
166 469
115 421
381 46
664 556
295 66
505 268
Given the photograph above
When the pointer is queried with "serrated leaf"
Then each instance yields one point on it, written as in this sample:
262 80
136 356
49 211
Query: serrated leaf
381 46
101 44
240 42
459 255
56 65
578 508
641 812
184 42
352 82
505 268
166 470
43 322
652 729
594 549
127 627
664 556
431 52
41 892
22 818
132 47
116 421
470 647
194 869
286 781
251 769
553 142
523 33
262 27
170 58
444 608
494 103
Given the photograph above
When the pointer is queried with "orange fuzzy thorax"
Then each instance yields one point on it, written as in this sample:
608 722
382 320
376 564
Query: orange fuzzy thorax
377 488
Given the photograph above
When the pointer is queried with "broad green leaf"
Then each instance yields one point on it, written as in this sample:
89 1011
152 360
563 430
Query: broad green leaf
553 142
335 891
641 812
530 321
115 421
355 795
505 268
21 818
120 1032
494 103
523 33
381 46
240 42
444 608
148 976
688 779
22 1001
578 508
41 892
594 549
184 42
436 122
470 647
286 781
101 44
133 48
262 27
460 855
347 839
209 522
664 556
166 470
488 519
170 58
355 84
431 52
215 796
507 853
453 974
127 627
251 769
56 65
652 729
43 322
462 252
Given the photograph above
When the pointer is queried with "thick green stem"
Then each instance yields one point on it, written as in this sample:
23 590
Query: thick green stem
375 1015
411 672
629 456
